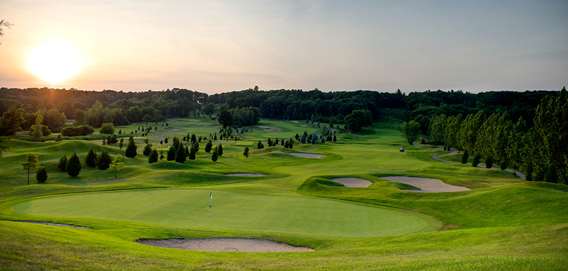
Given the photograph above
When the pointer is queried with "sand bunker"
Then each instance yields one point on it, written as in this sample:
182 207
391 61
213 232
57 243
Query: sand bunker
53 224
426 185
306 155
269 128
245 174
225 245
352 182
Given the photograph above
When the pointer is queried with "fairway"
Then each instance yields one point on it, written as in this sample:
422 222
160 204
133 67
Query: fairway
234 211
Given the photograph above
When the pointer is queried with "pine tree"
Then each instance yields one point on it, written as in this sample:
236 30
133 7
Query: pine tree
74 165
171 153
246 152
465 157
153 157
91 159
41 175
220 150
181 155
147 150
260 145
130 148
208 146
476 160
215 155
121 144
104 161
62 166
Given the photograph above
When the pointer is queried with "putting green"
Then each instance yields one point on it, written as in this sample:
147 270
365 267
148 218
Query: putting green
233 212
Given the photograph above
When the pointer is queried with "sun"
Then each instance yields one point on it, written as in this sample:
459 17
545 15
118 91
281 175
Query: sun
55 61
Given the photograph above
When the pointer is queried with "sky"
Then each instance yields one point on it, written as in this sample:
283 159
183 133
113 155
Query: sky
216 46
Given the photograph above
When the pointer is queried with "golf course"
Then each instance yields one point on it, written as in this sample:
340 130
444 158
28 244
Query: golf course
352 207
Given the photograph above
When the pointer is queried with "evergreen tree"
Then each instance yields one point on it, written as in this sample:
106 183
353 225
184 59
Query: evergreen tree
214 155
181 155
130 148
121 144
465 157
91 159
208 146
172 153
246 152
260 145
147 150
41 175
220 150
489 162
62 165
104 161
74 165
476 160
153 157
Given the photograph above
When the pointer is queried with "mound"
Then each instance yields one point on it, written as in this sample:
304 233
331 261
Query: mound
53 224
245 174
426 185
352 182
306 155
226 245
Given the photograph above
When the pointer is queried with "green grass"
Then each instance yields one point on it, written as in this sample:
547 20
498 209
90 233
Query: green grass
503 223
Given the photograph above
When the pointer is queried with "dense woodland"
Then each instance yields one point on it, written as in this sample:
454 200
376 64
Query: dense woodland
525 131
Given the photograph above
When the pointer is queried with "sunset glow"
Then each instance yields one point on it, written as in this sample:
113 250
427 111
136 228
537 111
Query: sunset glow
55 61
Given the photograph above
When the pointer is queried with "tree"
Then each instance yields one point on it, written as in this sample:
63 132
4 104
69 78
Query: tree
208 146
193 151
104 161
107 128
62 165
465 157
181 155
171 153
91 159
147 150
153 158
74 165
31 163
260 145
220 150
411 130
358 119
116 164
246 152
130 149
476 160
41 175
215 155
54 119
225 118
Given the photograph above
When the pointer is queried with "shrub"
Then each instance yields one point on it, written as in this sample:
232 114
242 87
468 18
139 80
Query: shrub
104 161
91 159
77 130
74 165
153 157
130 148
107 128
62 166
147 150
41 175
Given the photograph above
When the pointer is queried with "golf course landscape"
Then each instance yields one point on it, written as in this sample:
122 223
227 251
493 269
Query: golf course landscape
96 219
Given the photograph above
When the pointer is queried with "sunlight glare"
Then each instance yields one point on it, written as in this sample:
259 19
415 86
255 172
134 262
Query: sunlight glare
55 61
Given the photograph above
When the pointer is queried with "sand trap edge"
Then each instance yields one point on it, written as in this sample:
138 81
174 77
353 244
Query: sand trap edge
426 185
352 182
245 174
224 244
52 224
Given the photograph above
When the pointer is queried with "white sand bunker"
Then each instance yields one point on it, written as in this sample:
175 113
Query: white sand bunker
53 224
352 182
226 245
245 174
306 155
426 185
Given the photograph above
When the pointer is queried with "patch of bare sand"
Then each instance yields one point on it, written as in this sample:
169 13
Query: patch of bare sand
426 185
225 245
306 155
352 182
245 174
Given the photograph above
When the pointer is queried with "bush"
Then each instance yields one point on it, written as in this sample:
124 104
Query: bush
91 159
147 150
62 166
104 161
77 130
74 166
153 158
41 175
130 149
107 128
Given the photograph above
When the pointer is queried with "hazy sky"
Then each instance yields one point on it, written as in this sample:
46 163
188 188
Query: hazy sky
218 46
